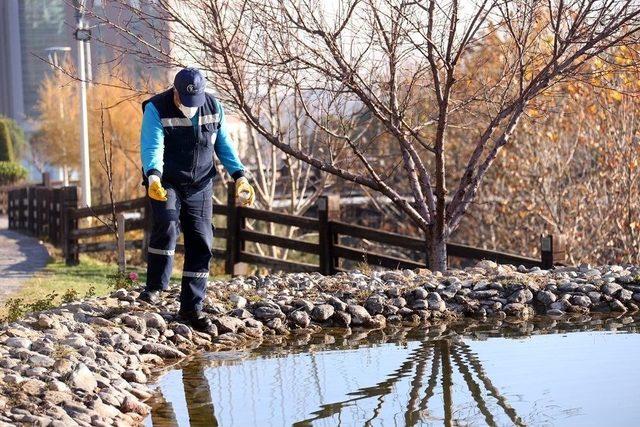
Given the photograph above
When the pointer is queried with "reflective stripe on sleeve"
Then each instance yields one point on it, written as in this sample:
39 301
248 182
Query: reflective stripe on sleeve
168 252
176 122
199 275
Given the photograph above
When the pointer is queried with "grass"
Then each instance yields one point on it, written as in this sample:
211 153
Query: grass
58 277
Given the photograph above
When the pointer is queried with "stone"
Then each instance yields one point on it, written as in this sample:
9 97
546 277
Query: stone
484 294
33 387
182 329
132 404
82 378
359 314
268 312
135 376
546 297
375 304
581 300
238 301
56 397
624 295
617 306
306 305
322 312
435 302
241 313
63 366
154 320
419 304
46 321
18 342
555 312
336 303
341 319
163 351
398 302
300 318
419 293
377 322
562 305
486 265
610 288
56 385
227 324
41 361
75 340
522 296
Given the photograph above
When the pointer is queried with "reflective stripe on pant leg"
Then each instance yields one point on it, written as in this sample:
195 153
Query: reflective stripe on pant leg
196 274
168 252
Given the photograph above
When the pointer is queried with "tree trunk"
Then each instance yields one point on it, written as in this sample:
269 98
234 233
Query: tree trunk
436 251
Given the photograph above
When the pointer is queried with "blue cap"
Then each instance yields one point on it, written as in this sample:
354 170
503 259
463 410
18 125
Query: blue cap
190 84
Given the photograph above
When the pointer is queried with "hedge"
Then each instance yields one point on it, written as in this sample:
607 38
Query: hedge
11 172
6 145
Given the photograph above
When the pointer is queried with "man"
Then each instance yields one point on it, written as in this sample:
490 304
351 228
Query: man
181 129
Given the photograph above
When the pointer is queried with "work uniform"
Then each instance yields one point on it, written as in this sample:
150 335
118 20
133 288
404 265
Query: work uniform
180 151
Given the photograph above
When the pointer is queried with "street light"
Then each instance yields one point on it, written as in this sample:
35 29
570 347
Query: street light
83 35
55 61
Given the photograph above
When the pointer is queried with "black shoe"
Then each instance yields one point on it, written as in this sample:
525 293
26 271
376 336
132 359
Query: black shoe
151 297
198 321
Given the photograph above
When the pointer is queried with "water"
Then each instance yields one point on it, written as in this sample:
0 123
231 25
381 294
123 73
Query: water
584 373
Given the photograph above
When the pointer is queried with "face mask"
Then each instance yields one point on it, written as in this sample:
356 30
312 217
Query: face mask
188 112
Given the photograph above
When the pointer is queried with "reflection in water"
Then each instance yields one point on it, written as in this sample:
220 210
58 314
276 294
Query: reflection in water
407 377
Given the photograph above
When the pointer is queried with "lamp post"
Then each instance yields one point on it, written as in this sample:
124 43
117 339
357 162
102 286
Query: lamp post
55 61
83 35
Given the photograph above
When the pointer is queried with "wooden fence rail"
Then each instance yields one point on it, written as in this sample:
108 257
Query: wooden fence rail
53 214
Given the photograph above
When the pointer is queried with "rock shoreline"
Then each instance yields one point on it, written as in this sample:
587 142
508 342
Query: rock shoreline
90 362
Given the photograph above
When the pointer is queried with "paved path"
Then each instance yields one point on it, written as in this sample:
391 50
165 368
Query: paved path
20 257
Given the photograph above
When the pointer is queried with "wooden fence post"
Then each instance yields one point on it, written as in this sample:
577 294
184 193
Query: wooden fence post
68 204
328 211
122 261
147 218
55 225
235 223
24 209
552 250
46 180
11 209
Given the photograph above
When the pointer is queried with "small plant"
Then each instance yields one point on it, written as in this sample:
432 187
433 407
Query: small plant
15 309
41 304
124 280
91 292
365 268
70 295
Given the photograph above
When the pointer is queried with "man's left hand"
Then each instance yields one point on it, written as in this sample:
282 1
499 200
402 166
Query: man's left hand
245 193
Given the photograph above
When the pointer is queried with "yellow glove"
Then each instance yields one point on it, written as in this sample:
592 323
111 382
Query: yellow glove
156 191
244 192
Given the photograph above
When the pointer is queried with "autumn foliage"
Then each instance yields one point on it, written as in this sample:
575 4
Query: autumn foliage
56 142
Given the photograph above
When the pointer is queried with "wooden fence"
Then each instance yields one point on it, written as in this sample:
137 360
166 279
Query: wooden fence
53 214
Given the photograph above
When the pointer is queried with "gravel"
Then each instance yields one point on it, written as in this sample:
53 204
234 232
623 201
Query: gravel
90 362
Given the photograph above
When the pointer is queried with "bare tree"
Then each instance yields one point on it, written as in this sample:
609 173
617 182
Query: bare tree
383 59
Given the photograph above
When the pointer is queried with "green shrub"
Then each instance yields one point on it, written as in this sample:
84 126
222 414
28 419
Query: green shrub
6 145
11 173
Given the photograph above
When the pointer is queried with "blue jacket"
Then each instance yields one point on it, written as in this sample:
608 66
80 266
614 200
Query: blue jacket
180 150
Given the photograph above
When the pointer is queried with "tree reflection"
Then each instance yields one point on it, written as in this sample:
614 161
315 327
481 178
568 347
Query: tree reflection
440 353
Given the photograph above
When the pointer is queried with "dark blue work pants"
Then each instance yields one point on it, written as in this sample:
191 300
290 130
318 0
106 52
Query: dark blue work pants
188 210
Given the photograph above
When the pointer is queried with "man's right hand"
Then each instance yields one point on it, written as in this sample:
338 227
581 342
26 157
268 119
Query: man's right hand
156 191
